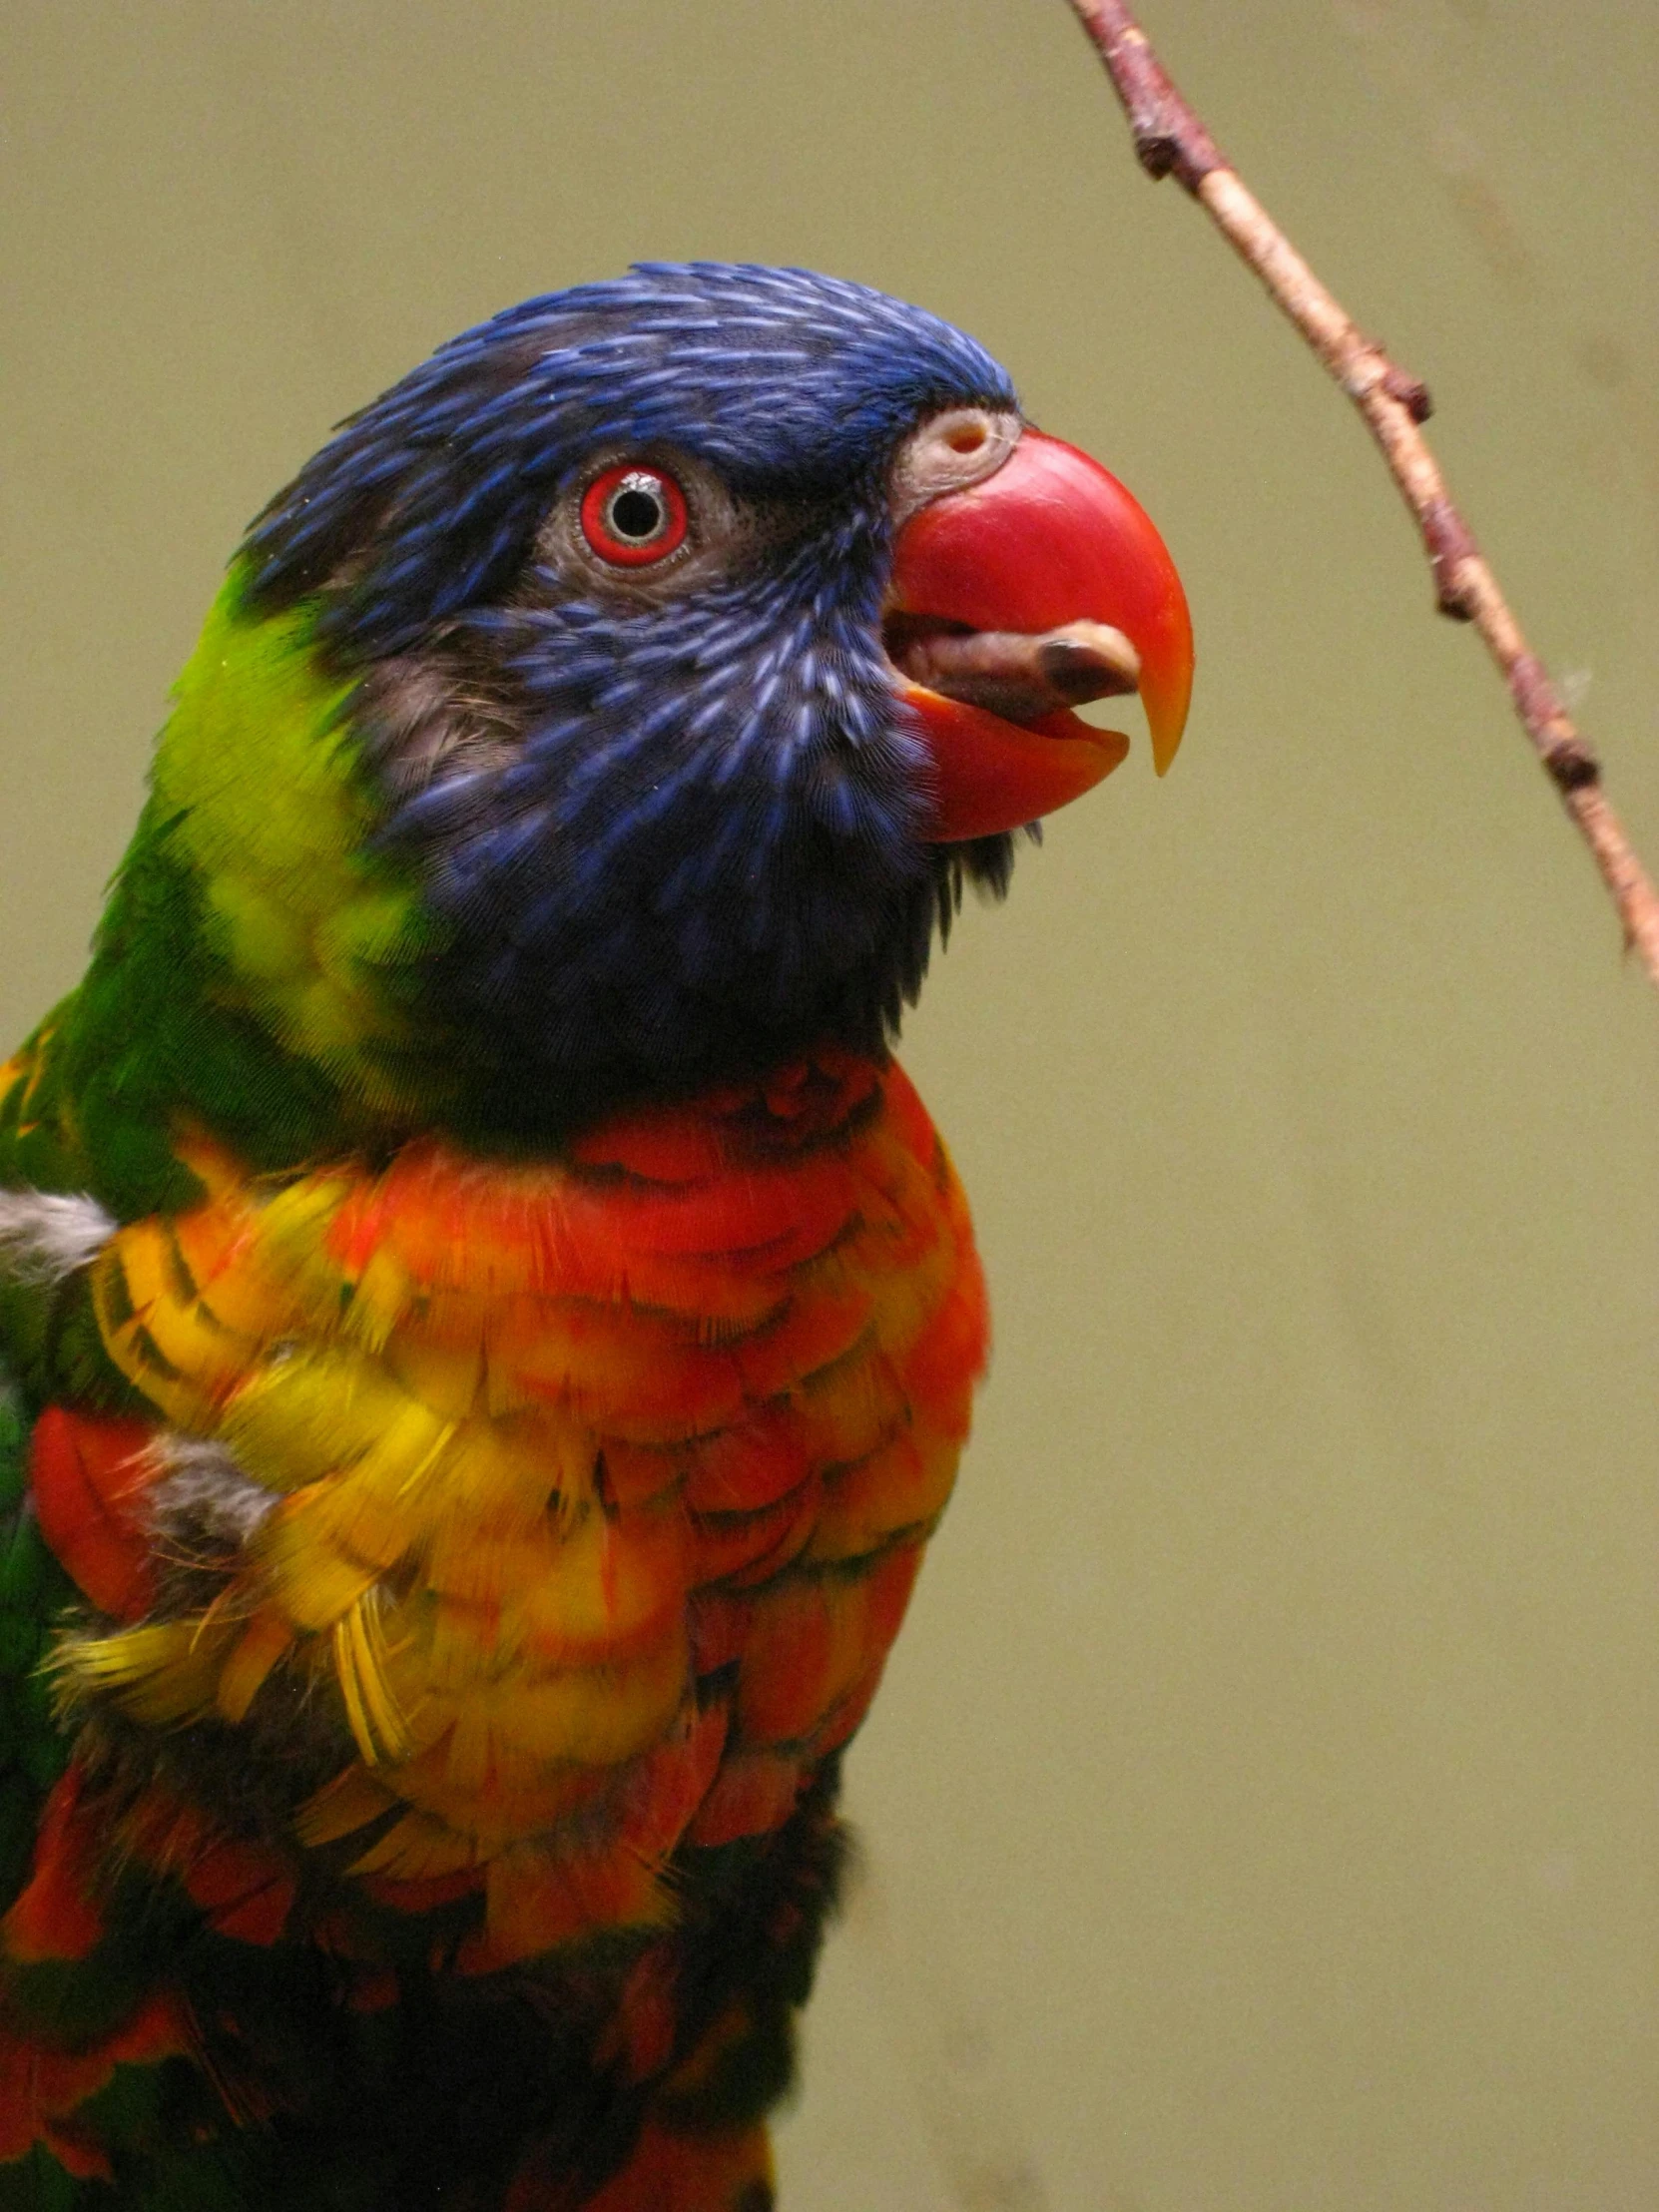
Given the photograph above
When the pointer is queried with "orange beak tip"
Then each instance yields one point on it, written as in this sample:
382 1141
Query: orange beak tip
1167 682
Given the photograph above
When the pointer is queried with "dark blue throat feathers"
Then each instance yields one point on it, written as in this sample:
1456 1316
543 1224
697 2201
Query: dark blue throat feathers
671 820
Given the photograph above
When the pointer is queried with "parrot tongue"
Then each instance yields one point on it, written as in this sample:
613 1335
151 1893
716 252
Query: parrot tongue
1018 675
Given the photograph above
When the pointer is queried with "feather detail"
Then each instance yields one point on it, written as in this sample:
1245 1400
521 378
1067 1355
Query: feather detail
43 1237
57 1915
371 1707
89 1479
267 1638
42 2091
160 1673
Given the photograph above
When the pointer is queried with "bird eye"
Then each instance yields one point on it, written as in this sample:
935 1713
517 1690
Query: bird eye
632 516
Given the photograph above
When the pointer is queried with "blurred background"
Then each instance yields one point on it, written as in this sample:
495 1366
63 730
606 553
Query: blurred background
1262 1814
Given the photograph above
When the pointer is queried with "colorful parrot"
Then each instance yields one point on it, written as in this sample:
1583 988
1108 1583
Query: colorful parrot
489 1328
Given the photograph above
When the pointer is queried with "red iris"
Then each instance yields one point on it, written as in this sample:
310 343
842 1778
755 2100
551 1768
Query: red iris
634 515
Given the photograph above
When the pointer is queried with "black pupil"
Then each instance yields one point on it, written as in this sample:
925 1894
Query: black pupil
636 513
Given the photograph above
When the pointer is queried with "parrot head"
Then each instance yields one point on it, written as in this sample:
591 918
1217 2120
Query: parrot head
689 641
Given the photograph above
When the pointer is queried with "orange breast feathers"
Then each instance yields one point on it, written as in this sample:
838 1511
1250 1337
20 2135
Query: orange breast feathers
596 1488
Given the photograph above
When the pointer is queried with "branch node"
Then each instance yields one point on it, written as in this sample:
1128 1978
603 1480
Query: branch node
1411 391
1570 764
1169 139
1454 560
1158 154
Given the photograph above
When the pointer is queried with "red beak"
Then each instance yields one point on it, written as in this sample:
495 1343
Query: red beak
1041 587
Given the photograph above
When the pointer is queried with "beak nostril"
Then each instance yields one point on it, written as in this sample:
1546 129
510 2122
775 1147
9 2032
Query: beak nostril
950 452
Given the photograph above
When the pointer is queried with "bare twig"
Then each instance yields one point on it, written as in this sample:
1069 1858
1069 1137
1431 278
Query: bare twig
1170 141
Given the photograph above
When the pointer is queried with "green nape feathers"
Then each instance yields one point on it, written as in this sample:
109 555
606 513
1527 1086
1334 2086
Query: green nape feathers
255 961
258 784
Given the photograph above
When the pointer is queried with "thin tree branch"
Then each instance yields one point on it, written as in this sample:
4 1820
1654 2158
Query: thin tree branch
1171 140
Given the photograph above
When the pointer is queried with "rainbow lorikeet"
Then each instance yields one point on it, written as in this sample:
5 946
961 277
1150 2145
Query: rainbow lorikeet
489 1328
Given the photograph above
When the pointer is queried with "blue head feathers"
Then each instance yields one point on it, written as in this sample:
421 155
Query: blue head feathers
672 822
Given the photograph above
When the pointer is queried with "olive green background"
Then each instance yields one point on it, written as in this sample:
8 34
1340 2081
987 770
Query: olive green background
1262 1813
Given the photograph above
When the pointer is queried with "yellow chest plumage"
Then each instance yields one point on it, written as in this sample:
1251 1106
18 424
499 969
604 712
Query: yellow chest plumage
596 1487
